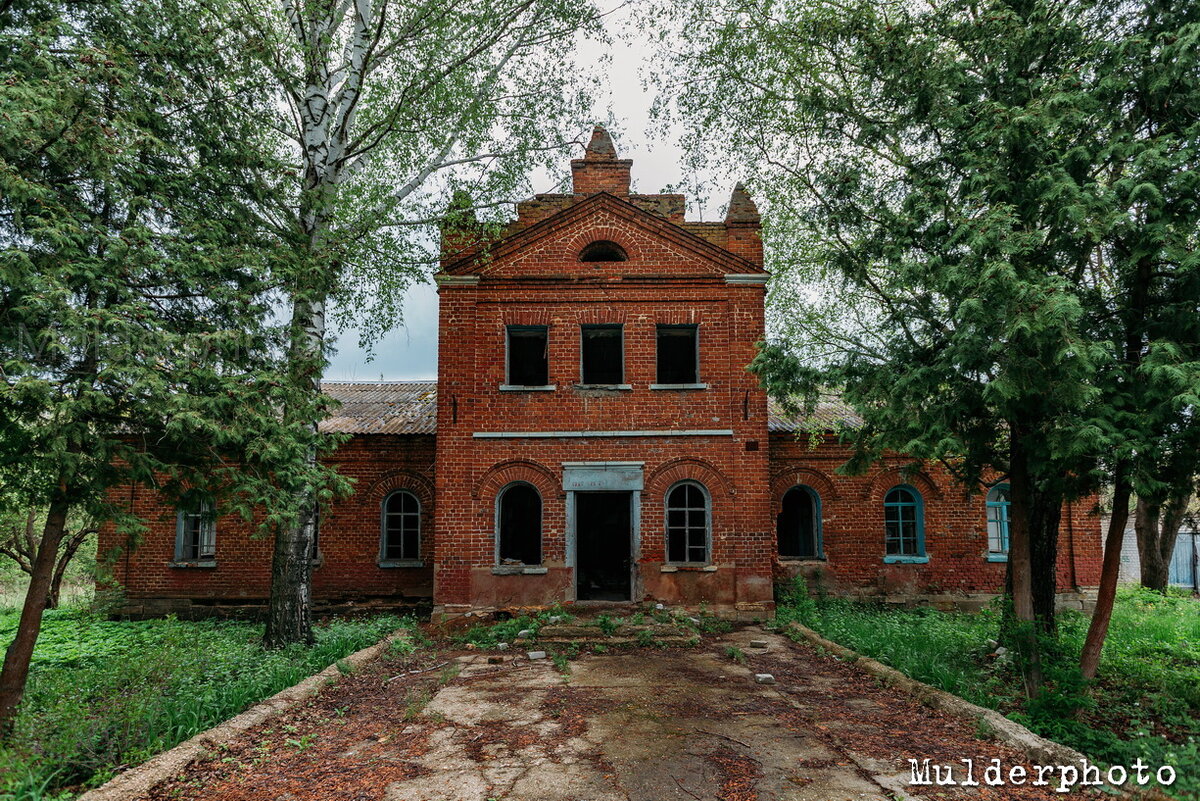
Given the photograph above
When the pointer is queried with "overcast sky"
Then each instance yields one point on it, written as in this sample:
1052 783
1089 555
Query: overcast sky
410 351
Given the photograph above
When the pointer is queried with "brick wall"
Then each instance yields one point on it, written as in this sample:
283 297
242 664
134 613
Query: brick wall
349 540
956 540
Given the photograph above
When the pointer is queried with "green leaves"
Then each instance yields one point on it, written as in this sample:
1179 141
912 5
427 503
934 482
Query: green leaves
988 205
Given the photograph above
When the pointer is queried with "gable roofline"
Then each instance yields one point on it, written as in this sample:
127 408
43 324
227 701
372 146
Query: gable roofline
623 208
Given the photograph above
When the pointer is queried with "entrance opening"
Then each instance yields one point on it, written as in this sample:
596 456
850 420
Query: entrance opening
603 546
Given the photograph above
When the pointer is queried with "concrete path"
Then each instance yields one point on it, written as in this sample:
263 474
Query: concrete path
641 725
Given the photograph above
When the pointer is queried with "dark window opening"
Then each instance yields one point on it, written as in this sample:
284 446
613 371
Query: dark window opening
678 354
195 529
401 535
603 250
797 526
528 359
687 524
602 354
520 520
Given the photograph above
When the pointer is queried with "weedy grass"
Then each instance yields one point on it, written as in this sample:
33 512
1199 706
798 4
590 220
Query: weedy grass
104 694
1145 702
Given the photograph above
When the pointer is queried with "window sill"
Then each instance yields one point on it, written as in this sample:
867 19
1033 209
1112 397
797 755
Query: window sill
679 386
518 570
604 386
529 388
904 559
802 560
997 557
688 567
390 563
195 563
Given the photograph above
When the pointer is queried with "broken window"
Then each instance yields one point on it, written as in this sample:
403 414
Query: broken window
603 250
602 354
798 527
400 529
519 519
997 519
195 529
903 524
528 359
687 523
678 354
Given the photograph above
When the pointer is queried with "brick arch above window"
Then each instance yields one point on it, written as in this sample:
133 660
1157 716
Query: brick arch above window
604 232
886 479
789 477
416 483
690 468
502 474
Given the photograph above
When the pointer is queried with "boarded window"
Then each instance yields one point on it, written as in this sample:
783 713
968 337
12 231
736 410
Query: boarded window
798 526
195 529
520 523
903 524
528 358
602 354
687 523
997 519
678 354
603 250
400 538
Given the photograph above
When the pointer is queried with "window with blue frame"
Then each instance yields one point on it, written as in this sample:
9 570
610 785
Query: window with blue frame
904 525
997 522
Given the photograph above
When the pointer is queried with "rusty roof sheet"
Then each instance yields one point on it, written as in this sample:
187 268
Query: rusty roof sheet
382 407
410 407
831 414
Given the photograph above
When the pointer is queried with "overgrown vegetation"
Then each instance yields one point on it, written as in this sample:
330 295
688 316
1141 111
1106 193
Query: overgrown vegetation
105 694
1145 702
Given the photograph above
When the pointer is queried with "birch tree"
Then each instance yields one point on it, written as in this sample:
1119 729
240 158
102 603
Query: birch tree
388 106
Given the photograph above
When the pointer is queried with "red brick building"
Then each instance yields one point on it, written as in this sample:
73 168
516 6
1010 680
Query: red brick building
594 436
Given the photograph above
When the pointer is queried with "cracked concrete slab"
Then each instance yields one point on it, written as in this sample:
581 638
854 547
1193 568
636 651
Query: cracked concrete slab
643 725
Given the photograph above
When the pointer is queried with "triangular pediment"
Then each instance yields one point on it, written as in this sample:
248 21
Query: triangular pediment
655 247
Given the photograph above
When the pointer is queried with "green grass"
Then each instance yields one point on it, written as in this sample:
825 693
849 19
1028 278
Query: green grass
104 694
1145 702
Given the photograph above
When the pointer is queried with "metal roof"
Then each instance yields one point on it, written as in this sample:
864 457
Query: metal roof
830 414
382 407
410 407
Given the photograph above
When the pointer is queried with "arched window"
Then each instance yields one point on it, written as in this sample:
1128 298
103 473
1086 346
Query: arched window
519 520
687 523
904 523
195 528
997 521
400 528
798 527
603 250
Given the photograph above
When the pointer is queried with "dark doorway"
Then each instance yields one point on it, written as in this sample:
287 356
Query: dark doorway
603 546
